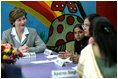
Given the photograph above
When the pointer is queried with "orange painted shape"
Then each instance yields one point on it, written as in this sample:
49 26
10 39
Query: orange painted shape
41 8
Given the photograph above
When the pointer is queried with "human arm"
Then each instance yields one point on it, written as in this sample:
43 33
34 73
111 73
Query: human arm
4 38
75 58
81 63
79 76
23 49
64 55
38 45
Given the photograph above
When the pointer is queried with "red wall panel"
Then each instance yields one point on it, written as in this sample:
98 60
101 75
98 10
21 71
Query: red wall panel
108 9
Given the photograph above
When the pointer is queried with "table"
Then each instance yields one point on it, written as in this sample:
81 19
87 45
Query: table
42 70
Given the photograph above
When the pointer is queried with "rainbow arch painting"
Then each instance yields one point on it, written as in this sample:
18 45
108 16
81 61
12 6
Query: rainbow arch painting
40 9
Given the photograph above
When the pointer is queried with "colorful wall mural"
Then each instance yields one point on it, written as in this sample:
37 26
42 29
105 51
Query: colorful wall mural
53 20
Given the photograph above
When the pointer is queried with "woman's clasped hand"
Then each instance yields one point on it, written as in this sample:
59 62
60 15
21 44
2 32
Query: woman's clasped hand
23 48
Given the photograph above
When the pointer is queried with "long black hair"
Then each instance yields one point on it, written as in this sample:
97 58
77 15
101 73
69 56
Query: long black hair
79 45
106 37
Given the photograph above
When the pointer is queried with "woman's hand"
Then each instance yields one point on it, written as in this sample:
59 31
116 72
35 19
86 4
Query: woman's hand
79 76
64 55
75 58
23 49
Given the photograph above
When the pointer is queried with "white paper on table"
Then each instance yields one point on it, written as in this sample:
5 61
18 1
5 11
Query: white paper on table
32 54
26 55
68 60
48 52
39 62
51 56
53 60
75 68
65 60
63 73
61 62
29 55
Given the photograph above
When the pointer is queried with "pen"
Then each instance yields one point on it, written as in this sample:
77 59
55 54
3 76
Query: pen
68 51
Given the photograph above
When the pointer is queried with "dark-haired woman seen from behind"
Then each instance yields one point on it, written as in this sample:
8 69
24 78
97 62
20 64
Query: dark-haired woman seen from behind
99 59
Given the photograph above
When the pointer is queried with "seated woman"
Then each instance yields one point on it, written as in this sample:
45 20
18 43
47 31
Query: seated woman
87 21
80 43
80 39
99 59
23 38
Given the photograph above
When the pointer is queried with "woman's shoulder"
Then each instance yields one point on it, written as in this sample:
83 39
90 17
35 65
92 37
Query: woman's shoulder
31 29
8 31
91 40
87 48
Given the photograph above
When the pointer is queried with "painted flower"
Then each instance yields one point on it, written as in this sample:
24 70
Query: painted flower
14 51
7 50
5 57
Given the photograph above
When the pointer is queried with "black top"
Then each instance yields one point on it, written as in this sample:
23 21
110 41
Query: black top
79 45
11 71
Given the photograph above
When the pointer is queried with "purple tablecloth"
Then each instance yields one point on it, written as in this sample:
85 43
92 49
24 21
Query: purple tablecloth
42 70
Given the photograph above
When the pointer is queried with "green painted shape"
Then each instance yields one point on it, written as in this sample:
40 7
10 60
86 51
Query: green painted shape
70 46
67 28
